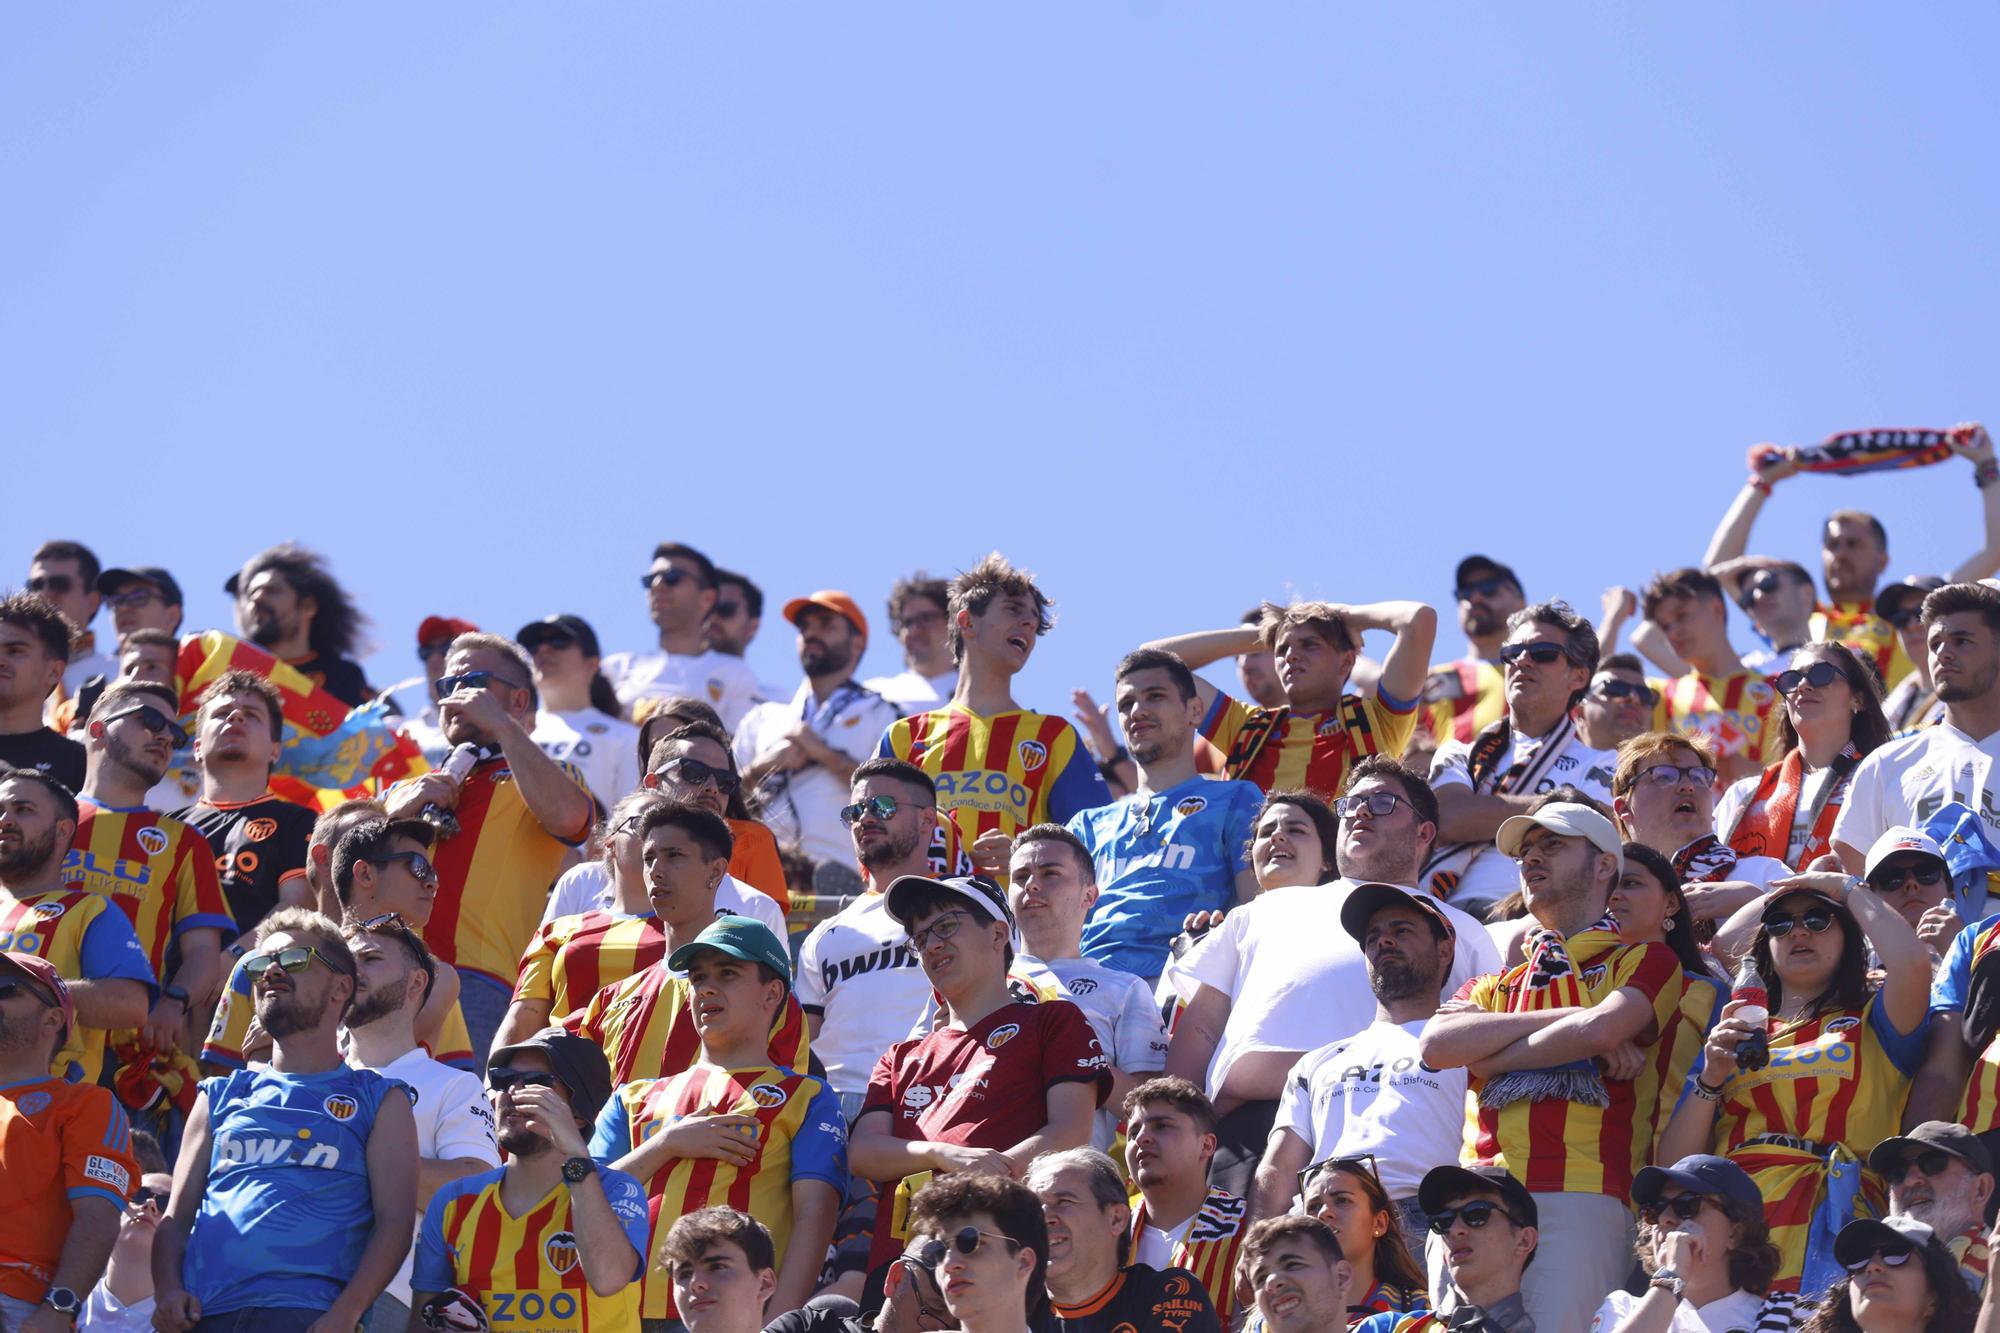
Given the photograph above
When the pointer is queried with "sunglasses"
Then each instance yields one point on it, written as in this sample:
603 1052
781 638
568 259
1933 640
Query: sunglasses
1541 654
426 651
1682 1206
1476 1215
1932 1162
1360 1163
1760 584
1376 803
294 960
1485 587
1612 688
556 639
943 928
154 721
1907 617
693 773
724 610
143 1196
882 807
59 584
672 578
1666 775
502 1077
12 986
1819 675
474 680
1887 879
1817 921
966 1240
1895 1256
420 866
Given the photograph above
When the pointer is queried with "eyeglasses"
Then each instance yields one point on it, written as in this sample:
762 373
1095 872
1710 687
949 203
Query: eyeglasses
143 1196
1819 675
966 1240
502 1077
474 680
1485 587
943 928
420 866
1666 775
59 584
1816 921
1358 1163
1894 1255
294 960
929 1315
1682 1206
882 807
154 721
137 597
12 986
673 578
1610 687
693 773
1541 654
1376 803
1476 1215
1888 879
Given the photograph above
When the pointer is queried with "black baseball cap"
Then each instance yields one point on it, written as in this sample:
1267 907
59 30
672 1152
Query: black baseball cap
1865 1235
1469 568
978 892
580 1064
1699 1174
1442 1182
1889 1157
1365 900
1890 602
111 580
576 627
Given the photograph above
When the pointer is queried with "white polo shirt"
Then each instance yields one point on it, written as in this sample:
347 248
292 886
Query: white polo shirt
605 748
725 683
802 807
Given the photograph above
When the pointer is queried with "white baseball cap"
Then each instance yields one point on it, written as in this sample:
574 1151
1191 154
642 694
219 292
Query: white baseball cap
1566 819
1897 840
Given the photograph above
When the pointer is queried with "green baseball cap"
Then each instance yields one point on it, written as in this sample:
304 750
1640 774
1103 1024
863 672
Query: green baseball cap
742 937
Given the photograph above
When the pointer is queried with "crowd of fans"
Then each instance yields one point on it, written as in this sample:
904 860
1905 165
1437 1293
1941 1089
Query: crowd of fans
1540 990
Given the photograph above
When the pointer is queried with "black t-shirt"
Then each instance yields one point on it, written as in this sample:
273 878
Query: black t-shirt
46 751
258 844
1145 1300
337 676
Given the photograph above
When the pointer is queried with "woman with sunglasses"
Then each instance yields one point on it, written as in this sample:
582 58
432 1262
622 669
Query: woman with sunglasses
1899 1279
579 721
1912 702
1383 1278
1832 717
1705 1250
1840 1054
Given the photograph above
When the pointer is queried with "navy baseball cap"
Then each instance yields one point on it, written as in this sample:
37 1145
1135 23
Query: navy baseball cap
1699 1174
111 580
575 626
1444 1182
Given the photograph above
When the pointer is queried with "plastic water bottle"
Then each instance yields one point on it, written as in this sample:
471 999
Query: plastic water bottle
1754 1052
463 759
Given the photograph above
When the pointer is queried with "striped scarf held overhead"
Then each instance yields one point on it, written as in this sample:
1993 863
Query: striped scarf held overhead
1849 453
1555 981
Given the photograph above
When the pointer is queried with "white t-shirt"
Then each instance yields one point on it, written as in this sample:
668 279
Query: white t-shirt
1123 1016
605 748
453 1120
1909 780
857 972
1372 1093
725 683
587 888
105 1313
1294 976
1735 1313
911 692
1492 875
802 807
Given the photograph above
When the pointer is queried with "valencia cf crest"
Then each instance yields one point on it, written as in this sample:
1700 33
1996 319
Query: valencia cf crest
768 1095
47 911
342 1107
259 829
1843 1024
152 841
1001 1035
1189 806
1033 755
560 1251
714 690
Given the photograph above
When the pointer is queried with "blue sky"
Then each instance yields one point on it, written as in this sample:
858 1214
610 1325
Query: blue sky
1180 307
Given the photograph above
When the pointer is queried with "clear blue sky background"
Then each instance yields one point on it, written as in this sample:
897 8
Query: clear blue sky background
1180 307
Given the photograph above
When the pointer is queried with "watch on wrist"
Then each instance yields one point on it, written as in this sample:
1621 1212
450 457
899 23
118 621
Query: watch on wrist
64 1302
578 1169
176 993
1669 1281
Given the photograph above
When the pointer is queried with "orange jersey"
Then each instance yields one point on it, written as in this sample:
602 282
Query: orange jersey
159 871
646 1027
1282 750
494 874
1005 771
1462 699
84 937
1733 714
1557 1147
59 1142
753 860
1209 1245
574 957
801 1135
1856 625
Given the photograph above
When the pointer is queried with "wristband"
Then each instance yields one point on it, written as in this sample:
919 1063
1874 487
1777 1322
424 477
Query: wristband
178 994
1758 484
1706 1093
1986 473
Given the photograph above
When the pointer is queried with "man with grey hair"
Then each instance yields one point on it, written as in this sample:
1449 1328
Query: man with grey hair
1941 1174
1547 659
1092 1286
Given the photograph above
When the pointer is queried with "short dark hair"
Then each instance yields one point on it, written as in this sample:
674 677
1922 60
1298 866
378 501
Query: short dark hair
1415 790
64 798
706 831
87 563
1177 1092
1578 636
699 1232
1271 1230
247 682
368 841
117 694
704 567
1866 520
675 710
1949 600
897 770
1158 659
753 596
975 589
690 731
1623 662
149 637
337 621
1012 1206
1058 834
38 616
917 585
1689 582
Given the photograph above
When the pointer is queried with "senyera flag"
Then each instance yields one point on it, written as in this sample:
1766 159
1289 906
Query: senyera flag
331 751
1850 453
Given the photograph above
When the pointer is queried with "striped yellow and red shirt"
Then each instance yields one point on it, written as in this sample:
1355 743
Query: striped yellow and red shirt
1209 1246
1673 1056
1005 771
1856 625
494 874
801 1135
1462 699
645 1026
1979 1110
85 938
573 957
1733 714
159 871
1558 1147
1303 751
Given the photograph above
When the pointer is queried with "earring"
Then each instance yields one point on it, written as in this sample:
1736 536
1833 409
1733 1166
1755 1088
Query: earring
1669 925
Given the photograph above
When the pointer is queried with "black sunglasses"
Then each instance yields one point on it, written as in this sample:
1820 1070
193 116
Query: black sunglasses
557 639
1541 654
1376 803
882 807
694 773
725 610
1906 617
59 584
1476 1215
474 680
1887 879
157 1198
673 578
966 1240
1762 583
139 596
502 1077
420 866
426 651
1485 587
12 986
1931 1161
1817 921
1819 675
1682 1206
154 721
1610 687
1895 1255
